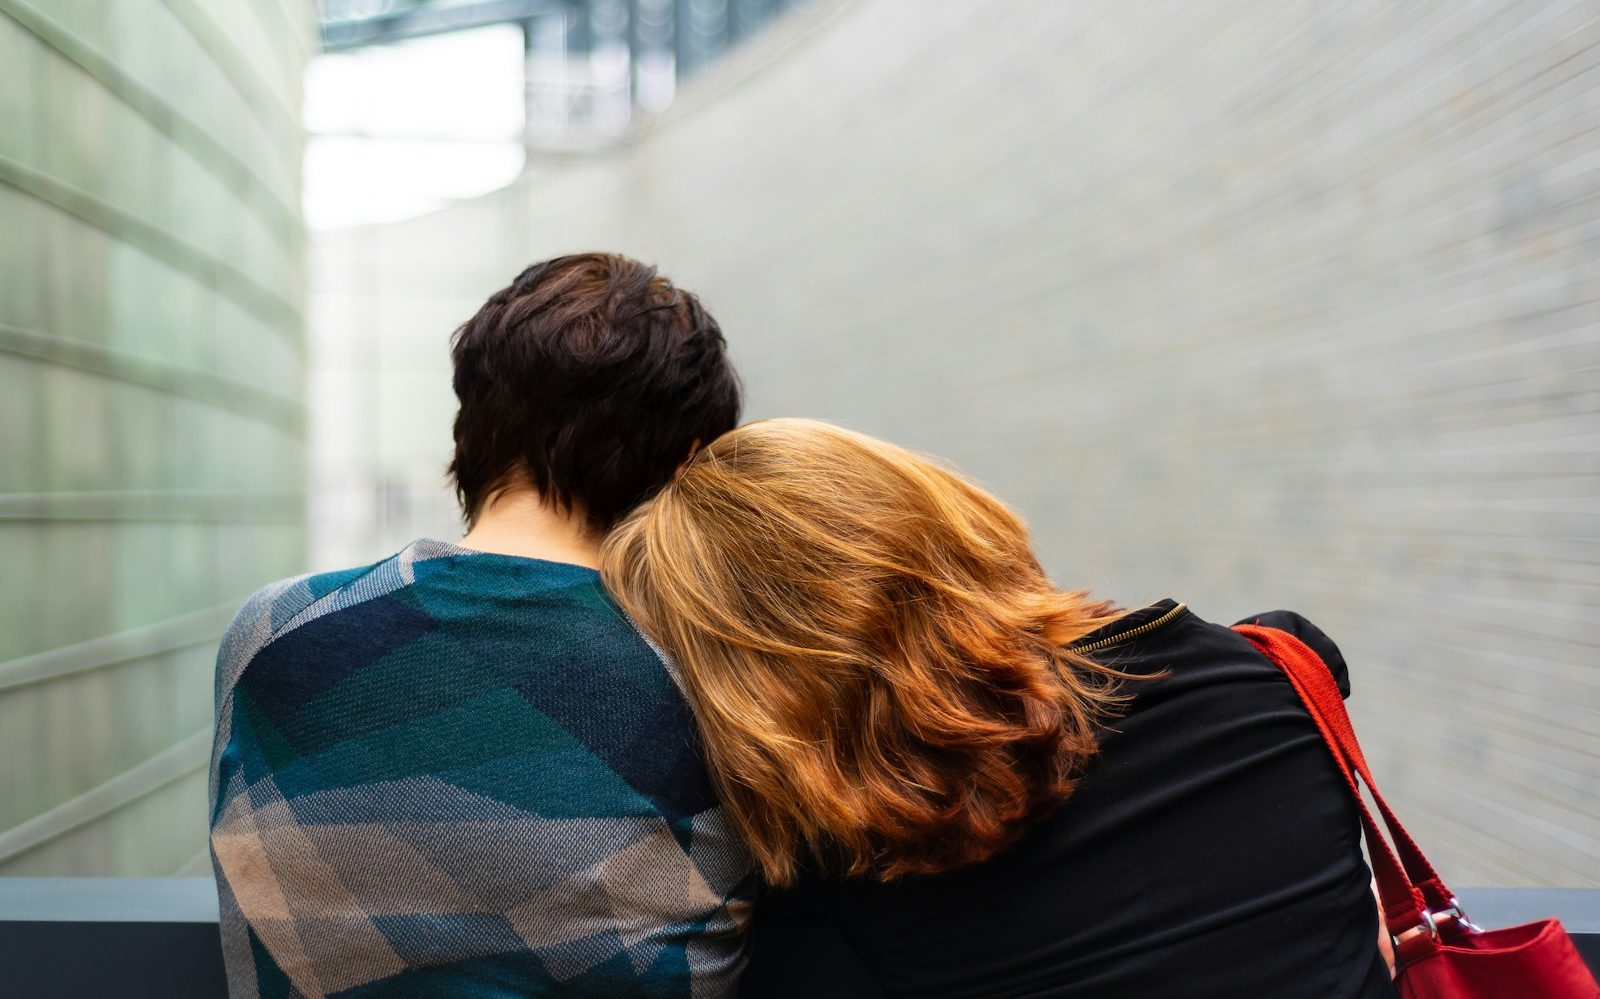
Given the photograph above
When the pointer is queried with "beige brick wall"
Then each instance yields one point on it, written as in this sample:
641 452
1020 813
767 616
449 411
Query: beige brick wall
1254 304
152 419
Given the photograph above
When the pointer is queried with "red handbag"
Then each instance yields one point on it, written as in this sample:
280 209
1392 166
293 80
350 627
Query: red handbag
1450 958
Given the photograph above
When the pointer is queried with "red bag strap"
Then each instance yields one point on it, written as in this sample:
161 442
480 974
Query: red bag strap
1410 890
1315 684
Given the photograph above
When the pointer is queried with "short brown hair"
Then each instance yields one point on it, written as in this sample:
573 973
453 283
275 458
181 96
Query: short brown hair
590 377
879 666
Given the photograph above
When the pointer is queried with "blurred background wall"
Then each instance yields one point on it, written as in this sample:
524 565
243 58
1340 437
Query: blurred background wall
152 424
1253 304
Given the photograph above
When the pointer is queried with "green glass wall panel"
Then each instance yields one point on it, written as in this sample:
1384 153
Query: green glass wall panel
151 404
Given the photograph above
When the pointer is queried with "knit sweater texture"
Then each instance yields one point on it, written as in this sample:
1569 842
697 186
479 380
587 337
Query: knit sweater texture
462 774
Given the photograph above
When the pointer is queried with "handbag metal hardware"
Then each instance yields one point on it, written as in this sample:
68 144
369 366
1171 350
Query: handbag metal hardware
1459 914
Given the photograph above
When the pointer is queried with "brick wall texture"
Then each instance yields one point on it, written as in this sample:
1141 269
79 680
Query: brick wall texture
1253 304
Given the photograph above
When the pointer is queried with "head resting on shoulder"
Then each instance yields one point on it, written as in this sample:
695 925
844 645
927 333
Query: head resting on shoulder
879 666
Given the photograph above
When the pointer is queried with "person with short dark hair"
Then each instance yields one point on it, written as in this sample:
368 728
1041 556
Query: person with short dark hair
461 771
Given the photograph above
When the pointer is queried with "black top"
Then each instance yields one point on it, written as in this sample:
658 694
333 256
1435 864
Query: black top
1212 849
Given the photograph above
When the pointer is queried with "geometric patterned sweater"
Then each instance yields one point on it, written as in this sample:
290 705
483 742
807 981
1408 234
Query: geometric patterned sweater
461 774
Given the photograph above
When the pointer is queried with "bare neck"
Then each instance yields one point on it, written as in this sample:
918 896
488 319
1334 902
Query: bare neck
520 522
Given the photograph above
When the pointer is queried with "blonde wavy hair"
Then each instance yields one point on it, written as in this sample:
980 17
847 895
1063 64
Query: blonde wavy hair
880 669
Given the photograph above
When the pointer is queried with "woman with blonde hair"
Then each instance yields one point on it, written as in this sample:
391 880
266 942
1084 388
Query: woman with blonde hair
988 785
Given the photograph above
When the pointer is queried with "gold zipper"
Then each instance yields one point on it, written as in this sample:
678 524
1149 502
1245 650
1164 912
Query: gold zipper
1148 626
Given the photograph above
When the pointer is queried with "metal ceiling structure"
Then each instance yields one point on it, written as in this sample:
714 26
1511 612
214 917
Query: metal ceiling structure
590 65
354 24
695 31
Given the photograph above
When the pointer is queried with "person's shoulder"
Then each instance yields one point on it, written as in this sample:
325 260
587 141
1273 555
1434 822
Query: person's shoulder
280 607
616 639
1314 637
